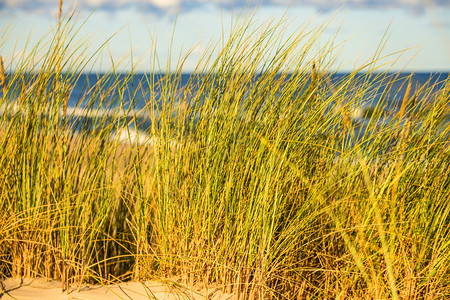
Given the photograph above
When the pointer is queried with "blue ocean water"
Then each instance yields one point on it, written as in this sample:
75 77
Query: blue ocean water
140 83
136 92
96 96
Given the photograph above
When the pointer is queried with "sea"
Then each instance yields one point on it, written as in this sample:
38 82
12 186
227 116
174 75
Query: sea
87 104
141 82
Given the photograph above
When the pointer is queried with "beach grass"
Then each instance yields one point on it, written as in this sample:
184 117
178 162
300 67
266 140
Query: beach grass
257 177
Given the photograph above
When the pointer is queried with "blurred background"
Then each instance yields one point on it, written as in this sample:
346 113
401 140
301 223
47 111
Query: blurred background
138 26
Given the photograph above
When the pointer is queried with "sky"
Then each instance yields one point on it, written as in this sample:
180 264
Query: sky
133 27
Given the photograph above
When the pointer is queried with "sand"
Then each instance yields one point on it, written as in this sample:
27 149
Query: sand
40 288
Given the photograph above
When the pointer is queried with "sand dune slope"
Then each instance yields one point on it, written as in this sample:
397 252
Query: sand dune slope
39 288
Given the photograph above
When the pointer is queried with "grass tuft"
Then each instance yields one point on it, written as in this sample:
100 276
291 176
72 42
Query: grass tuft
268 183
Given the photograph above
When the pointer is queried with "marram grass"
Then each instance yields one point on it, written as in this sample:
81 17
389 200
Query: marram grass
261 184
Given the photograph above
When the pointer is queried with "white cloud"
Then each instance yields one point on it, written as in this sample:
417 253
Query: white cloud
165 3
156 6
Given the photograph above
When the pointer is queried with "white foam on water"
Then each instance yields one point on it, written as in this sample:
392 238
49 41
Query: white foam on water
131 136
83 112
96 113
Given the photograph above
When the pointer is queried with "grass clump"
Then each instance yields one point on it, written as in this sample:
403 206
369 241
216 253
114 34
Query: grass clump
255 178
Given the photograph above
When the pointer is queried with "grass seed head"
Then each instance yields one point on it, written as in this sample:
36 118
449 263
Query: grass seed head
2 75
60 11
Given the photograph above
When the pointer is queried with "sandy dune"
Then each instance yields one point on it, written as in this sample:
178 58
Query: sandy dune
39 288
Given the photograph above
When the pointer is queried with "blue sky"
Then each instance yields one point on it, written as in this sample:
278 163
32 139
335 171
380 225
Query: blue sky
423 26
